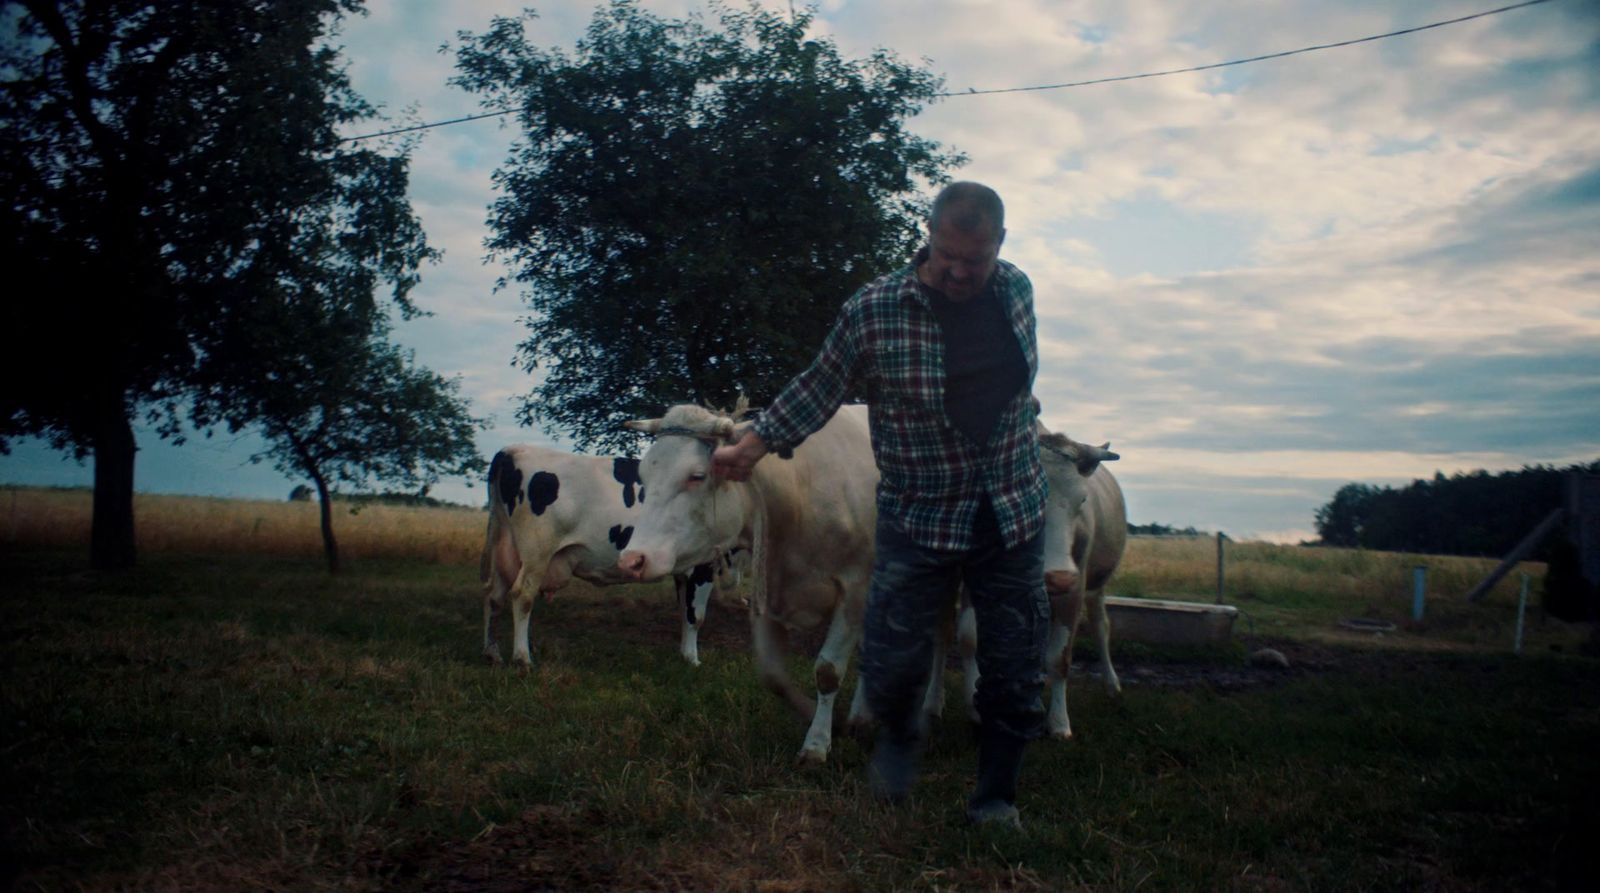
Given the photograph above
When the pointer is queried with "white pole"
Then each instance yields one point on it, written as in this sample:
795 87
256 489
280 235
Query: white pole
1522 609
1419 583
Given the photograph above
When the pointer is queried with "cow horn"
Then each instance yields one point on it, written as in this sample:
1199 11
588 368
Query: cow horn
644 426
1088 457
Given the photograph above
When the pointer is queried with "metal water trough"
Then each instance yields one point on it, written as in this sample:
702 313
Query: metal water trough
1167 622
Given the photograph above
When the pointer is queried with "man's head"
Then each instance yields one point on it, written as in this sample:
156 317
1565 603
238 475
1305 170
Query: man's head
965 230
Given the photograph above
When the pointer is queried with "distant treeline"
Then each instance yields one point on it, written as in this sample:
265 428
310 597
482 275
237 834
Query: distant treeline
1162 530
1470 513
304 493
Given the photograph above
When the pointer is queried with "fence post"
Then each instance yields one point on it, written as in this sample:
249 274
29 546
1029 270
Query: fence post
1419 584
1522 609
1221 564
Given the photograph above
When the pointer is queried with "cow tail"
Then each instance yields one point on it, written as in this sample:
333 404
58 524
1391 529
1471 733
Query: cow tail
496 514
761 575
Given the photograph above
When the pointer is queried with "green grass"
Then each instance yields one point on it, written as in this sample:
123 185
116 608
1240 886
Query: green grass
208 722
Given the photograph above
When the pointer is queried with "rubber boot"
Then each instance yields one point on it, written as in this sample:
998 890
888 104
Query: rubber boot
999 764
893 769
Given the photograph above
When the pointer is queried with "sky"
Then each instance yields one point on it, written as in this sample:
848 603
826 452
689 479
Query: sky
1258 283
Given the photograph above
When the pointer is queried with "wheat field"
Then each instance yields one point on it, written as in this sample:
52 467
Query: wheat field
1280 588
32 516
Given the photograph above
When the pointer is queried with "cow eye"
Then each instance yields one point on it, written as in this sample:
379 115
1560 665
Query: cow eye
697 477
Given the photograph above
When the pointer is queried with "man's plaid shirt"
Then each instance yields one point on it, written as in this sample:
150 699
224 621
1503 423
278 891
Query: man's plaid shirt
887 342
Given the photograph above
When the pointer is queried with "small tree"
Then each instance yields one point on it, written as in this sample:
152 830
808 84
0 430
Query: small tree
688 207
362 411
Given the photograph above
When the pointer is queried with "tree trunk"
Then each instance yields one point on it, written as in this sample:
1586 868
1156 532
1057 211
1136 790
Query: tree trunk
111 545
329 547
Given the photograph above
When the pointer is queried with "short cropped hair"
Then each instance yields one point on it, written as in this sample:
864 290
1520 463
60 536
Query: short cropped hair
968 206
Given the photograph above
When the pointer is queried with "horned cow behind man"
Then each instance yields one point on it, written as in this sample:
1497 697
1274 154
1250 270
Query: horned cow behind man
1086 531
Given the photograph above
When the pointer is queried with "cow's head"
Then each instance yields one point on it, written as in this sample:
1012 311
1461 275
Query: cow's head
688 516
1068 465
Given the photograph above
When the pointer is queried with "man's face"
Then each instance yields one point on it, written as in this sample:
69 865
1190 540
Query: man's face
960 262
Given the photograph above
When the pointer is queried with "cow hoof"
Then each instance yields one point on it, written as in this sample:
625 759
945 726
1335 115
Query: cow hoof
859 727
808 757
493 658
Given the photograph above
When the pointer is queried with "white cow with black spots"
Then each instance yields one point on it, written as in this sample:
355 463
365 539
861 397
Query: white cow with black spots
554 516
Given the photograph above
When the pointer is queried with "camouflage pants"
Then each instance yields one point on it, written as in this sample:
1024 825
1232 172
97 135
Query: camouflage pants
912 588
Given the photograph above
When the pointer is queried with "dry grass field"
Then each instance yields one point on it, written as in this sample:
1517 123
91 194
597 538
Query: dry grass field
230 716
1279 588
32 516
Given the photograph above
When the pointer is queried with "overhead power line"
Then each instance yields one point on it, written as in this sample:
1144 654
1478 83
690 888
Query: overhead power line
1126 77
1311 49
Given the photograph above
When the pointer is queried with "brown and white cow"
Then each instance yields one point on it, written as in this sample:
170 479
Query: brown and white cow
1086 531
809 521
554 516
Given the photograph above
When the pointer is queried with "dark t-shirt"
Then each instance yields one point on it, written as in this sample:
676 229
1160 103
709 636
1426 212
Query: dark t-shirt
983 364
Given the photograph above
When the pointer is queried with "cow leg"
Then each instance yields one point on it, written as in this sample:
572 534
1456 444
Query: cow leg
1100 626
770 642
495 590
933 694
500 568
859 719
832 661
967 645
493 599
1065 611
688 638
694 595
521 610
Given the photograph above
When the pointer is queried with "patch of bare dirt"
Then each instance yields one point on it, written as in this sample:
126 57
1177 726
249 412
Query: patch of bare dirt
655 623
1303 659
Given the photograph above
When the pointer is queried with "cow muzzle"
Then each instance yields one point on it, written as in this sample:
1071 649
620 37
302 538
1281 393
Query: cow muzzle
633 564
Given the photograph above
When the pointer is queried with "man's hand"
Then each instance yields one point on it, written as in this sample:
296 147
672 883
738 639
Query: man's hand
735 461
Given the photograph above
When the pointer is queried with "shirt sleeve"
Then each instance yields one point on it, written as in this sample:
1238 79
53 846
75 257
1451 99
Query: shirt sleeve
811 398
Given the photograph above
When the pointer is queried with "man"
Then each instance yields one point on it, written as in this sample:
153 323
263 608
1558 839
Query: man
945 353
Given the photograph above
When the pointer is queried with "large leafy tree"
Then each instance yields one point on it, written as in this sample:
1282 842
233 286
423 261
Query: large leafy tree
688 205
167 168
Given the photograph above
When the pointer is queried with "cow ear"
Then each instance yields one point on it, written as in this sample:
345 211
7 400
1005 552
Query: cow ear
1058 442
643 426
